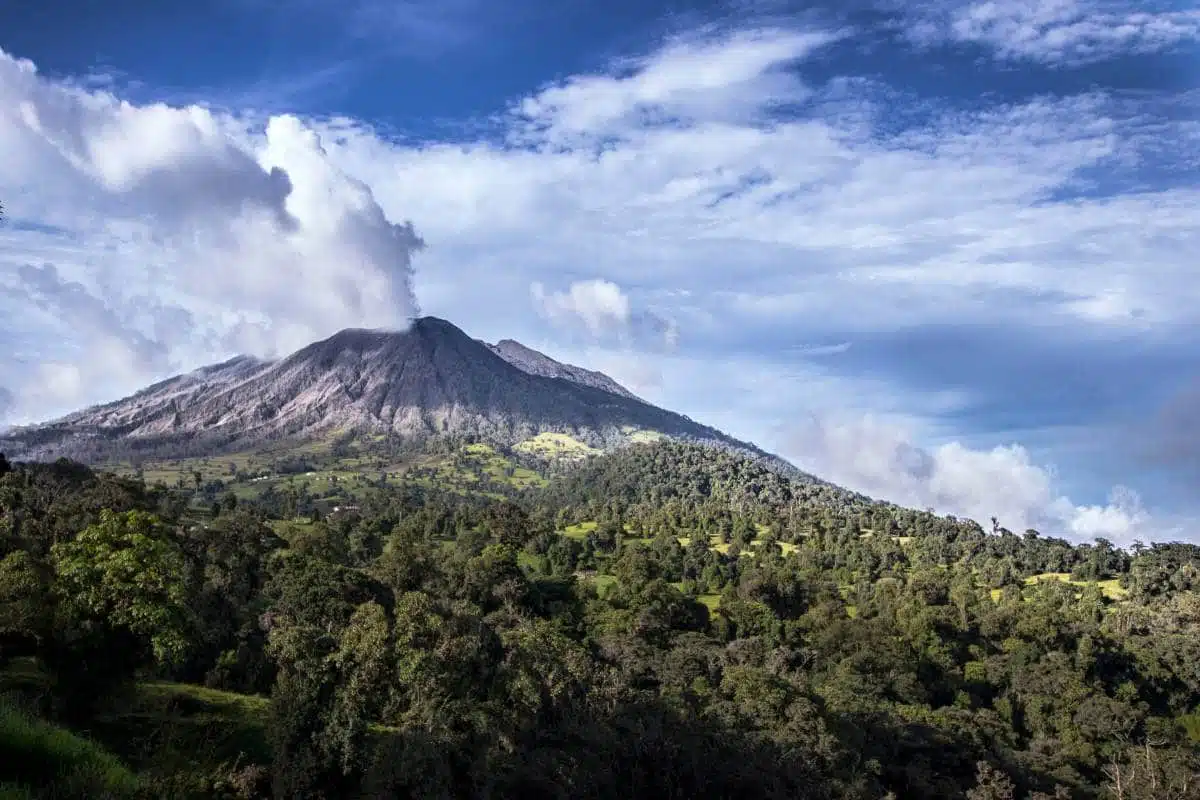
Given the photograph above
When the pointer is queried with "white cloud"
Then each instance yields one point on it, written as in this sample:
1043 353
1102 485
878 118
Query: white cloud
603 311
600 305
150 236
1055 31
690 80
813 220
881 458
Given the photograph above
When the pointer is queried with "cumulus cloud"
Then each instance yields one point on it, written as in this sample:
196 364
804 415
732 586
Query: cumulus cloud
151 236
881 458
602 310
1055 31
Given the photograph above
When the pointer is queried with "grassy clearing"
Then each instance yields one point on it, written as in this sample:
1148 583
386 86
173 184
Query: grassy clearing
644 437
171 472
167 728
1110 588
41 759
556 446
287 528
579 530
715 543
477 465
711 600
247 708
602 582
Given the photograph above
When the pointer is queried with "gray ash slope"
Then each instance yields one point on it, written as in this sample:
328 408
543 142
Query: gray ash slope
528 360
430 380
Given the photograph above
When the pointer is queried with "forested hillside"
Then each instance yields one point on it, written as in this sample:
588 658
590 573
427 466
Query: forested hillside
665 621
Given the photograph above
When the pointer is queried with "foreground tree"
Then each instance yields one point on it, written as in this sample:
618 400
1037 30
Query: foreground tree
128 573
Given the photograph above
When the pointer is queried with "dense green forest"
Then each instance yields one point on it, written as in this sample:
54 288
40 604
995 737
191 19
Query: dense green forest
668 621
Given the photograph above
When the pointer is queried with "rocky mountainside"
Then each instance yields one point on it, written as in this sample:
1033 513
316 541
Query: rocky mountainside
535 363
429 380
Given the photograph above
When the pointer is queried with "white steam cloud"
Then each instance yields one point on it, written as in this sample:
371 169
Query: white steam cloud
165 236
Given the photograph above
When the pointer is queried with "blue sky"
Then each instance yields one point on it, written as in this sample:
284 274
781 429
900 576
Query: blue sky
942 251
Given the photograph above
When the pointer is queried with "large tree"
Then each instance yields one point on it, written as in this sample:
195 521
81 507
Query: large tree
127 572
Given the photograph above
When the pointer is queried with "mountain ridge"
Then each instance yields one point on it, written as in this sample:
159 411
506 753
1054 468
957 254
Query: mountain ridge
429 380
529 360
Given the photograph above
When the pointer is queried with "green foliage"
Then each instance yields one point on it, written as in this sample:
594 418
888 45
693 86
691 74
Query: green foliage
25 604
38 759
667 621
126 571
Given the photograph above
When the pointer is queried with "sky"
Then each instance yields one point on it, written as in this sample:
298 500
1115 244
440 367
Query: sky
945 252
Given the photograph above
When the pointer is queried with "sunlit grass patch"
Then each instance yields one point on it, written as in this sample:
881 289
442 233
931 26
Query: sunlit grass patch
555 445
247 707
166 728
580 530
1110 588
603 583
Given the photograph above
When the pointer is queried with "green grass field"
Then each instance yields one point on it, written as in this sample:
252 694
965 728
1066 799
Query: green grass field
171 728
556 446
579 530
44 760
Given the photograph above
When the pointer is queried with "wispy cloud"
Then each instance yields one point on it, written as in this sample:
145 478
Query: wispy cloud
271 93
1065 32
734 78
